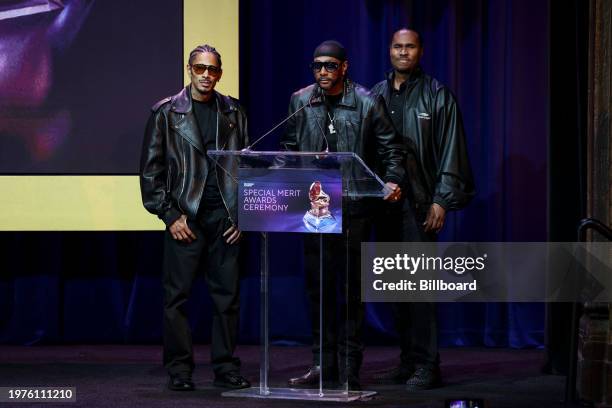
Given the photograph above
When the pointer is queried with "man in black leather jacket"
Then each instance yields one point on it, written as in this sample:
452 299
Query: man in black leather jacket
341 116
426 113
197 202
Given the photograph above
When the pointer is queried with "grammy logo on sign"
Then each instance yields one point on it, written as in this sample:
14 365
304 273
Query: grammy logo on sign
318 218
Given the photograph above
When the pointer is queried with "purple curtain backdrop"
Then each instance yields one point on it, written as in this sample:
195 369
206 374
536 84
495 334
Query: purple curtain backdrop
493 56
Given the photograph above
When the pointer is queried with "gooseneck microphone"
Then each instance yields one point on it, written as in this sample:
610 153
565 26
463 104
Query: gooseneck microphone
318 96
321 94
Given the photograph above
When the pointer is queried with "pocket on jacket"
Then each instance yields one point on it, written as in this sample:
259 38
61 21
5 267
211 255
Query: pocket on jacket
169 179
351 130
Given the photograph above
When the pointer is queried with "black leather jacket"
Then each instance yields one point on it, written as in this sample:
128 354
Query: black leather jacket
433 124
362 122
173 166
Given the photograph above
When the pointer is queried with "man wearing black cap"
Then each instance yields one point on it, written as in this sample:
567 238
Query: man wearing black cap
425 112
341 116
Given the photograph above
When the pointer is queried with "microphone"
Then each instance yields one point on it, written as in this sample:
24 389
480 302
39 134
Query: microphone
321 98
317 96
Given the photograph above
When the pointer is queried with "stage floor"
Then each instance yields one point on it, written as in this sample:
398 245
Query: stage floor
132 376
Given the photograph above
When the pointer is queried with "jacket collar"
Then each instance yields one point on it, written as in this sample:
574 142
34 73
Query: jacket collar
181 102
414 76
348 95
187 126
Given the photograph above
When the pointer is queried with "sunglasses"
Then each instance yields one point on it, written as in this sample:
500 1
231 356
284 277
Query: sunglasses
329 66
199 69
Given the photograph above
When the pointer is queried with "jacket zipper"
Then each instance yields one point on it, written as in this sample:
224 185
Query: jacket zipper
184 175
229 215
169 181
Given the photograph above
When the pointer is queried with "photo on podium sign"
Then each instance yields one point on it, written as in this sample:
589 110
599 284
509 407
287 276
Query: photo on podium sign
290 200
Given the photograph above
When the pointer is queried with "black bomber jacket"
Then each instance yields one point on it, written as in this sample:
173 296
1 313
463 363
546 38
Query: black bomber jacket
362 122
173 166
432 123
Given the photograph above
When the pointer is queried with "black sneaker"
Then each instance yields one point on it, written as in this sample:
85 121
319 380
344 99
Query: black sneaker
181 382
424 378
231 380
395 375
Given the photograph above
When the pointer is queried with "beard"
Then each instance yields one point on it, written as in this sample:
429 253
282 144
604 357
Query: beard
402 69
332 83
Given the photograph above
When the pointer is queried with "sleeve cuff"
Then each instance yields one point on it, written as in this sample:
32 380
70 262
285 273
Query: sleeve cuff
441 202
170 216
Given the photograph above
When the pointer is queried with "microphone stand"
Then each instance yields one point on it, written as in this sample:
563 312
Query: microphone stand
309 104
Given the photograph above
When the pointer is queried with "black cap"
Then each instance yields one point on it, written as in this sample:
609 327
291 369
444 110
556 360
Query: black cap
330 48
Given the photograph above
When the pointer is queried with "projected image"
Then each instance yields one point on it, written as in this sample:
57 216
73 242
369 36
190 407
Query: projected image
12 8
29 30
77 79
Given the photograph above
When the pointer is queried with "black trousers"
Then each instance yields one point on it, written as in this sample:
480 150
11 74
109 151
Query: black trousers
181 264
416 323
343 312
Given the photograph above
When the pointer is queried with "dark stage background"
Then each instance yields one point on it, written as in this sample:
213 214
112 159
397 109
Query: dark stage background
494 56
105 287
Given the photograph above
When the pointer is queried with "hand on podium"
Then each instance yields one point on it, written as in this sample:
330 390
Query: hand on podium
395 192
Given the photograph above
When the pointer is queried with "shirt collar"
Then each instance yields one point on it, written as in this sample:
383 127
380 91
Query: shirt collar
414 76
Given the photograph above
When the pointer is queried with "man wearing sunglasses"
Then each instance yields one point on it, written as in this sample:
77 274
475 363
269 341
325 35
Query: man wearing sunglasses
340 116
425 112
197 202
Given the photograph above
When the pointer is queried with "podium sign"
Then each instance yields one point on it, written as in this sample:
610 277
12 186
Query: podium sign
290 200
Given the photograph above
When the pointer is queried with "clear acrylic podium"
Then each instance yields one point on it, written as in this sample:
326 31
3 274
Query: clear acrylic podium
358 181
